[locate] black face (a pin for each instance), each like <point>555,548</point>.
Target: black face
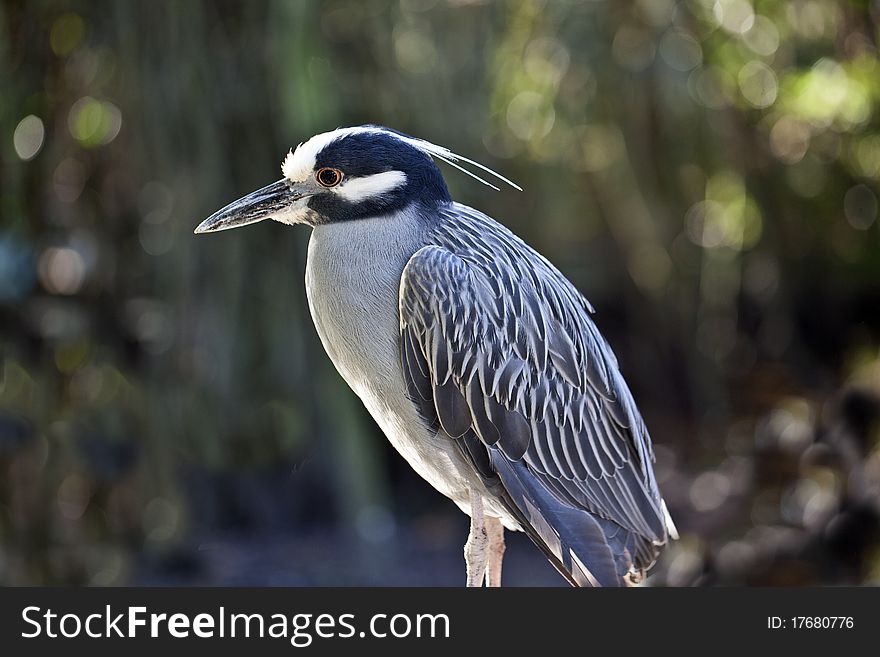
<point>369,153</point>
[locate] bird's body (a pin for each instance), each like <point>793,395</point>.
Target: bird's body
<point>476,356</point>
<point>355,310</point>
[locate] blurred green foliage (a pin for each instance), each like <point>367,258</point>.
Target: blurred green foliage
<point>706,171</point>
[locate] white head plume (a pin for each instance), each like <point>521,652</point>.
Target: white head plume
<point>299,163</point>
<point>444,154</point>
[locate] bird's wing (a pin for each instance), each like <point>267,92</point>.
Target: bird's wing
<point>503,355</point>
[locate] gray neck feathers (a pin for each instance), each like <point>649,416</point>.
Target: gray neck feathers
<point>352,281</point>
<point>366,251</point>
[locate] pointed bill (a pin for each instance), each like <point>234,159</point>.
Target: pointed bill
<point>271,200</point>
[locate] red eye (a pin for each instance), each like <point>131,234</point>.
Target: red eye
<point>328,177</point>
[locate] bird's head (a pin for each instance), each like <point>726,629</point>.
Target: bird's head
<point>347,174</point>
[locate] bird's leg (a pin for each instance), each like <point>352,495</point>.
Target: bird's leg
<point>476,550</point>
<point>495,531</point>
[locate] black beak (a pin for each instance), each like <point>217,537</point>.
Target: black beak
<point>254,207</point>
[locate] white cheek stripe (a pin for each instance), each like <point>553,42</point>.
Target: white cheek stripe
<point>360,189</point>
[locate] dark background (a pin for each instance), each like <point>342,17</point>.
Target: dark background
<point>705,171</point>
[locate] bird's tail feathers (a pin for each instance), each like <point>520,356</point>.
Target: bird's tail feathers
<point>671,530</point>
<point>572,539</point>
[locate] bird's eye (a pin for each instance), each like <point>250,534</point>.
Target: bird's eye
<point>328,177</point>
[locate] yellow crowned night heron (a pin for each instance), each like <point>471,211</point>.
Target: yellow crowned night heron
<point>475,355</point>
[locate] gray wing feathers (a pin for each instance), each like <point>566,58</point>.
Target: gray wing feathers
<point>499,341</point>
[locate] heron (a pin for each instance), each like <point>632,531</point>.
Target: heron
<point>477,357</point>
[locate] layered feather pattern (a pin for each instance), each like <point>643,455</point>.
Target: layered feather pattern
<point>499,351</point>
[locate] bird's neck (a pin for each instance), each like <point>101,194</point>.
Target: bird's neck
<point>369,250</point>
<point>352,284</point>
<point>372,242</point>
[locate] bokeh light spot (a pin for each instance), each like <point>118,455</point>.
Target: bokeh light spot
<point>73,496</point>
<point>728,216</point>
<point>826,94</point>
<point>680,50</point>
<point>414,49</point>
<point>860,207</point>
<point>68,180</point>
<point>791,424</point>
<point>658,13</point>
<point>710,87</point>
<point>735,16</point>
<point>94,122</point>
<point>161,520</point>
<point>28,137</point>
<point>602,145</point>
<point>763,37</point>
<point>67,33</point>
<point>546,61</point>
<point>758,84</point>
<point>530,116</point>
<point>62,270</point>
<point>789,139</point>
<point>866,154</point>
<point>709,491</point>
